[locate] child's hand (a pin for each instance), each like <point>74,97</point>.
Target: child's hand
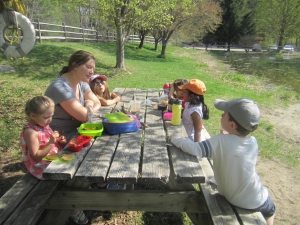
<point>62,140</point>
<point>55,134</point>
<point>52,139</point>
<point>223,131</point>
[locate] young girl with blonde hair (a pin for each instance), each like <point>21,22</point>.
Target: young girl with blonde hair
<point>37,138</point>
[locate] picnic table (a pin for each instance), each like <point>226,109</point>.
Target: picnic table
<point>155,176</point>
<point>145,171</point>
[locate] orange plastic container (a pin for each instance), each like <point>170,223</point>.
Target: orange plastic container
<point>78,142</point>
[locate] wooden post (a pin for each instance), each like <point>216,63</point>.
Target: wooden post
<point>39,30</point>
<point>83,34</point>
<point>64,30</point>
<point>97,36</point>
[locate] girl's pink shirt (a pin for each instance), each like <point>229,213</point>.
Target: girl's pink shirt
<point>33,167</point>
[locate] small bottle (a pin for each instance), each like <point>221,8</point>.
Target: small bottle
<point>170,103</point>
<point>166,88</point>
<point>176,112</point>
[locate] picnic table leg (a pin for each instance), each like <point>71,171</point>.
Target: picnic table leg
<point>57,217</point>
<point>200,219</point>
<point>60,217</point>
<point>196,218</point>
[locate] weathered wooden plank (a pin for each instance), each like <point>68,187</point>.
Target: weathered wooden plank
<point>249,218</point>
<point>154,201</point>
<point>31,208</point>
<point>119,91</point>
<point>16,194</point>
<point>96,163</point>
<point>186,167</point>
<point>125,165</point>
<point>155,165</point>
<point>127,95</point>
<point>58,170</point>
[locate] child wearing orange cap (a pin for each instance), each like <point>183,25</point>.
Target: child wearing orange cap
<point>195,109</point>
<point>99,86</point>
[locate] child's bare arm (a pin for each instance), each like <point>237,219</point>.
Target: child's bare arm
<point>197,122</point>
<point>36,151</point>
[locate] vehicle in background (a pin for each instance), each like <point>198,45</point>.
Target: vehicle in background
<point>288,48</point>
<point>256,48</point>
<point>273,47</point>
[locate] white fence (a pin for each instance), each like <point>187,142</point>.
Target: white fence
<point>48,31</point>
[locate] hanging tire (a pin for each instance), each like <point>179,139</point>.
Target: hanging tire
<point>16,38</point>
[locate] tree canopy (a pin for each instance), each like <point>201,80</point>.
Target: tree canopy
<point>279,20</point>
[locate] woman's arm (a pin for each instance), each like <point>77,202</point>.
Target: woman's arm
<point>74,108</point>
<point>197,122</point>
<point>92,102</point>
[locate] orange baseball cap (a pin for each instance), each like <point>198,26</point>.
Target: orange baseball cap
<point>196,86</point>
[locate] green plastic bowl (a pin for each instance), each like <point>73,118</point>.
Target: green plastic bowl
<point>91,129</point>
<point>118,117</point>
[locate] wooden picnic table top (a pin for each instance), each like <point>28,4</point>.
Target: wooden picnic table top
<point>158,176</point>
<point>142,156</point>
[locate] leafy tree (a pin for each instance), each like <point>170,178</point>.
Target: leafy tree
<point>279,20</point>
<point>237,20</point>
<point>185,12</point>
<point>154,15</point>
<point>123,13</point>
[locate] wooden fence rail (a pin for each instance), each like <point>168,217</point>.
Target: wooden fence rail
<point>48,31</point>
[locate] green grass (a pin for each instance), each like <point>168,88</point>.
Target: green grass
<point>146,70</point>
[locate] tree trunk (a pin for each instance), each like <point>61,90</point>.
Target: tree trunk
<point>280,41</point>
<point>228,46</point>
<point>120,43</point>
<point>163,48</point>
<point>142,38</point>
<point>156,41</point>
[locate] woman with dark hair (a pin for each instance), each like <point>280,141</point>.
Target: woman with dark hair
<point>71,93</point>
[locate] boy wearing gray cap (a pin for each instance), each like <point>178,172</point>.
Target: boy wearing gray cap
<point>234,154</point>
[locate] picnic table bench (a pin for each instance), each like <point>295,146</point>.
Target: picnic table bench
<point>158,176</point>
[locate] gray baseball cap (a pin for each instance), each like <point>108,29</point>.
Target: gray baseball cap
<point>244,111</point>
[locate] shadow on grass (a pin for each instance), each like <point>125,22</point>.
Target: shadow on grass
<point>132,52</point>
<point>279,68</point>
<point>47,59</point>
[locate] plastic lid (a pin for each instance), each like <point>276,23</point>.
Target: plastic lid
<point>166,85</point>
<point>177,101</point>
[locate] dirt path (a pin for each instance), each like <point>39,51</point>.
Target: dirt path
<point>282,181</point>
<point>285,121</point>
<point>283,184</point>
